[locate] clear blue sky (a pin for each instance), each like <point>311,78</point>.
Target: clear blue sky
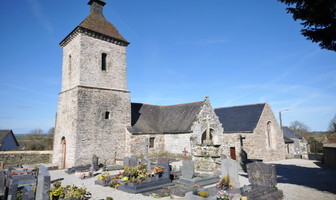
<point>235,52</point>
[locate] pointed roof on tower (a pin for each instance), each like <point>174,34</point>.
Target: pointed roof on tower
<point>97,26</point>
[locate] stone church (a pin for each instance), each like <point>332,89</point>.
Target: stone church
<point>95,114</point>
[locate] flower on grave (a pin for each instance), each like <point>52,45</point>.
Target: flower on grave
<point>224,183</point>
<point>158,169</point>
<point>222,195</point>
<point>103,176</point>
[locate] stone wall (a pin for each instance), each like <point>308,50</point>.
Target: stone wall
<point>25,157</point>
<point>94,105</point>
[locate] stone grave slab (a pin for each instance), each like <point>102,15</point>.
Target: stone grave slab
<point>2,183</point>
<point>43,183</point>
<point>263,181</point>
<point>189,177</point>
<point>151,183</point>
<point>229,167</point>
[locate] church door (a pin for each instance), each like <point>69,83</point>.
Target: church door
<point>63,153</point>
<point>233,153</point>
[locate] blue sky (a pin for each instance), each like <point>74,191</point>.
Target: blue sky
<point>235,52</point>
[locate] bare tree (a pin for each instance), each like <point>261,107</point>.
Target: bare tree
<point>332,125</point>
<point>299,126</point>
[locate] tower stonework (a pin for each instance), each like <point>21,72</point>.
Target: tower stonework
<point>94,103</point>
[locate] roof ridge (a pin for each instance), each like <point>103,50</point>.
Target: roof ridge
<point>241,105</point>
<point>168,105</point>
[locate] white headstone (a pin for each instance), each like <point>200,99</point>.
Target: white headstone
<point>230,168</point>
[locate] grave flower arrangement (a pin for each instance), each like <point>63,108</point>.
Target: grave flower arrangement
<point>58,192</point>
<point>222,195</point>
<point>158,169</point>
<point>136,174</point>
<point>224,183</point>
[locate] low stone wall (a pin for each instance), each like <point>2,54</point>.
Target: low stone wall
<point>14,158</point>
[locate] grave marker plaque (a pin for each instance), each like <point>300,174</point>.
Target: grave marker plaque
<point>230,168</point>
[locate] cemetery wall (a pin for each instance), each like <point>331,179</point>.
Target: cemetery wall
<point>25,157</point>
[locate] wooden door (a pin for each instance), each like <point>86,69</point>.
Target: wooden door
<point>233,153</point>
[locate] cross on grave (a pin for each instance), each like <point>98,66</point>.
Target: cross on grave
<point>184,154</point>
<point>241,138</point>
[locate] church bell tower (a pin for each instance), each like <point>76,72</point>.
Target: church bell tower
<point>94,103</point>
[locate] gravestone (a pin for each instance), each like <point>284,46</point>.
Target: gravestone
<point>133,161</point>
<point>95,162</point>
<point>189,177</point>
<point>2,183</point>
<point>28,193</point>
<point>43,183</point>
<point>263,181</point>
<point>2,165</point>
<point>166,172</point>
<point>145,159</point>
<point>230,168</point>
<point>188,169</point>
<point>126,162</point>
<point>12,192</point>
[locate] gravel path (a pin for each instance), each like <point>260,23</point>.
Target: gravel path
<point>299,180</point>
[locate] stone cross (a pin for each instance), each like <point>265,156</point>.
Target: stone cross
<point>185,154</point>
<point>43,183</point>
<point>241,138</point>
<point>146,159</point>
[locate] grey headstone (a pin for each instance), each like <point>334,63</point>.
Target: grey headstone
<point>28,193</point>
<point>126,162</point>
<point>133,161</point>
<point>188,169</point>
<point>230,168</point>
<point>43,183</point>
<point>12,191</point>
<point>2,182</point>
<point>166,172</point>
<point>95,161</point>
<point>261,174</point>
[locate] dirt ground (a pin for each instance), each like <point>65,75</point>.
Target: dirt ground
<point>299,180</point>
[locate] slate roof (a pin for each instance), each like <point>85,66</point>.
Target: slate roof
<point>289,133</point>
<point>287,140</point>
<point>4,133</point>
<point>164,119</point>
<point>240,118</point>
<point>97,23</point>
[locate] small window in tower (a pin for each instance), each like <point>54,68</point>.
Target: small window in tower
<point>69,64</point>
<point>107,115</point>
<point>151,142</point>
<point>103,64</point>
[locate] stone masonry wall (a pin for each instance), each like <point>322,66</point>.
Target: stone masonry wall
<point>257,146</point>
<point>25,157</point>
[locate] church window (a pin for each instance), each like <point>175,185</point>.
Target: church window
<point>107,115</point>
<point>269,134</point>
<point>103,63</point>
<point>151,142</point>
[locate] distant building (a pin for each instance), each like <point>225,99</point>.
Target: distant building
<point>296,145</point>
<point>329,151</point>
<point>8,140</point>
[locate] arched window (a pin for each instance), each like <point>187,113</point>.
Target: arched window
<point>269,130</point>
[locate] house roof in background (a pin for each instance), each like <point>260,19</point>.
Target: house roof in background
<point>164,119</point>
<point>242,118</point>
<point>4,133</point>
<point>289,133</point>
